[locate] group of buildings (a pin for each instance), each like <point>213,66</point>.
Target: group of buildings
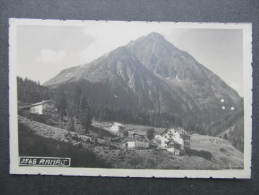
<point>174,140</point>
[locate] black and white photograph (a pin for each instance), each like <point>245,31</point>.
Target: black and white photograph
<point>130,98</point>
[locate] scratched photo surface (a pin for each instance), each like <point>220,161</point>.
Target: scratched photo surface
<point>142,99</point>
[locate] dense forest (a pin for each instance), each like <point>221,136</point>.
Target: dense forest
<point>30,91</point>
<point>233,128</point>
<point>98,99</point>
<point>71,106</point>
<point>82,101</point>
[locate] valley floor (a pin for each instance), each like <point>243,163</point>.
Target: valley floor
<point>97,153</point>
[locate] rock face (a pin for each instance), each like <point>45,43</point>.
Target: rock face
<point>150,75</point>
<point>199,87</point>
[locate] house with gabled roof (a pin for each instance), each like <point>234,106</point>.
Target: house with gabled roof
<point>136,140</point>
<point>39,108</point>
<point>173,140</point>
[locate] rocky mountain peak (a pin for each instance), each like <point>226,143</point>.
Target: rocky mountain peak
<point>154,40</point>
<point>155,37</point>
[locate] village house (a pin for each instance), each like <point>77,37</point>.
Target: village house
<point>187,140</point>
<point>85,138</point>
<point>137,134</point>
<point>173,148</point>
<point>136,140</point>
<point>40,108</point>
<point>135,144</point>
<point>173,140</point>
<point>114,128</point>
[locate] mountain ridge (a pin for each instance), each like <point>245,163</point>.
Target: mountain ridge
<point>159,78</point>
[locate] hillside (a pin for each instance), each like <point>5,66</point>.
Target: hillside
<point>224,154</point>
<point>86,153</point>
<point>235,134</point>
<point>29,146</point>
<point>233,128</point>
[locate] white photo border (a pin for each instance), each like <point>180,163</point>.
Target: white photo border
<point>113,172</point>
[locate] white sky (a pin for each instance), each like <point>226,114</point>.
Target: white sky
<point>44,50</point>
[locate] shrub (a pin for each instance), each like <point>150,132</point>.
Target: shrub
<point>201,153</point>
<point>39,118</point>
<point>150,133</point>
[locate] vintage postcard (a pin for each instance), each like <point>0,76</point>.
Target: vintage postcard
<point>137,99</point>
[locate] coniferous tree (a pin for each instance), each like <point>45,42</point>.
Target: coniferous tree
<point>30,91</point>
<point>150,134</point>
<point>71,124</point>
<point>61,103</point>
<point>85,115</point>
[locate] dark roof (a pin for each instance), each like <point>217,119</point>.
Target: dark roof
<point>137,132</point>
